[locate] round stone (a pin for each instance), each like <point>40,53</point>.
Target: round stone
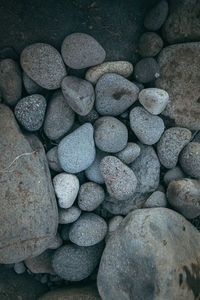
<point>93,173</point>
<point>31,86</point>
<point>147,70</point>
<point>154,100</point>
<point>91,195</point>
<point>30,112</point>
<point>156,17</point>
<point>114,94</point>
<point>173,174</point>
<point>147,127</point>
<point>44,65</point>
<point>157,199</point>
<point>79,94</point>
<point>190,160</point>
<point>129,153</point>
<point>110,134</point>
<point>76,151</point>
<point>66,188</point>
<point>88,230</point>
<point>80,50</point>
<point>70,215</point>
<point>52,157</point>
<point>56,242</point>
<point>150,44</point>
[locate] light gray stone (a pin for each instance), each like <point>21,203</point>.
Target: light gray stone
<point>173,174</point>
<point>190,160</point>
<point>52,157</point>
<point>154,100</point>
<point>129,153</point>
<point>90,196</point>
<point>93,173</point>
<point>69,215</point>
<point>157,199</point>
<point>156,16</point>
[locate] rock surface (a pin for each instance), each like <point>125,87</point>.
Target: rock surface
<point>91,195</point>
<point>129,153</point>
<point>29,225</point>
<point>93,173</point>
<point>52,157</point>
<point>173,174</point>
<point>157,199</point>
<point>150,44</point>
<point>154,100</point>
<point>146,70</point>
<point>41,263</point>
<point>190,160</point>
<point>69,215</point>
<point>155,18</point>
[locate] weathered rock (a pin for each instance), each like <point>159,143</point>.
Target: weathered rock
<point>91,195</point>
<point>129,153</point>
<point>41,263</point>
<point>157,199</point>
<point>173,174</point>
<point>180,67</point>
<point>150,44</point>
<point>155,18</point>
<point>190,159</point>
<point>154,254</point>
<point>154,100</point>
<point>27,226</point>
<point>52,157</point>
<point>93,173</point>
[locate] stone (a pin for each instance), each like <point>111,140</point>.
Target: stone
<point>80,50</point>
<point>114,94</point>
<point>90,196</point>
<point>19,268</point>
<point>184,196</point>
<point>44,65</point>
<point>114,223</point>
<point>156,16</point>
<point>28,226</point>
<point>154,254</point>
<point>76,151</point>
<point>170,145</point>
<point>93,173</point>
<point>56,242</point>
<point>154,100</point>
<point>88,230</point>
<point>31,86</point>
<point>73,293</point>
<point>30,112</point>
<point>182,85</point>
<point>146,70</point>
<point>182,24</point>
<point>8,52</point>
<point>147,127</point>
<point>75,263</point>
<point>150,44</point>
<point>157,199</point>
<point>10,81</point>
<point>173,174</point>
<point>66,188</point>
<point>41,263</point>
<point>120,180</point>
<point>69,215</point>
<point>123,68</point>
<point>91,117</point>
<point>129,153</point>
<point>52,157</point>
<point>110,134</point>
<point>190,160</point>
<point>65,232</point>
<point>59,117</point>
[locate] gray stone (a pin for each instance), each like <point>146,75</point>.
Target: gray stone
<point>56,242</point>
<point>79,94</point>
<point>31,86</point>
<point>120,180</point>
<point>59,117</point>
<point>114,94</point>
<point>88,230</point>
<point>147,127</point>
<point>52,157</point>
<point>93,173</point>
<point>80,50</point>
<point>76,151</point>
<point>10,81</point>
<point>44,65</point>
<point>173,174</point>
<point>184,196</point>
<point>41,263</point>
<point>129,153</point>
<point>146,70</point>
<point>123,68</point>
<point>30,112</point>
<point>157,199</point>
<point>28,226</point>
<point>170,145</point>
<point>150,44</point>
<point>190,160</point>
<point>154,100</point>
<point>110,134</point>
<point>69,215</point>
<point>156,17</point>
<point>150,256</point>
<point>182,84</point>
<point>75,263</point>
<point>114,223</point>
<point>91,195</point>
<point>19,268</point>
<point>91,117</point>
<point>65,232</point>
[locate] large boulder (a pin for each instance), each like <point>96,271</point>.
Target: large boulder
<point>153,255</point>
<point>28,214</point>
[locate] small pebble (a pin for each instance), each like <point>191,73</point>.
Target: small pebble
<point>129,153</point>
<point>69,215</point>
<point>80,50</point>
<point>154,100</point>
<point>30,112</point>
<point>93,173</point>
<point>190,160</point>
<point>147,70</point>
<point>66,188</point>
<point>90,196</point>
<point>56,242</point>
<point>41,263</point>
<point>155,17</point>
<point>123,68</point>
<point>114,223</point>
<point>88,230</point>
<point>173,174</point>
<point>147,127</point>
<point>52,157</point>
<point>91,117</point>
<point>150,44</point>
<point>19,268</point>
<point>31,86</point>
<point>110,134</point>
<point>64,233</point>
<point>157,199</point>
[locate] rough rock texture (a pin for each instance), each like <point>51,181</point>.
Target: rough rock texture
<point>129,153</point>
<point>190,160</point>
<point>27,226</point>
<point>41,263</point>
<point>180,67</point>
<point>154,254</point>
<point>69,215</point>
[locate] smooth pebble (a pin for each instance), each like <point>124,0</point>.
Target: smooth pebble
<point>173,174</point>
<point>190,160</point>
<point>150,44</point>
<point>154,100</point>
<point>90,196</point>
<point>156,16</point>
<point>129,153</point>
<point>147,70</point>
<point>157,199</point>
<point>93,173</point>
<point>70,215</point>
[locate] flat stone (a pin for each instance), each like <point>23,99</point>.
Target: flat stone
<point>28,226</point>
<point>150,44</point>
<point>190,160</point>
<point>173,174</point>
<point>31,86</point>
<point>156,16</point>
<point>93,173</point>
<point>76,151</point>
<point>157,199</point>
<point>69,215</point>
<point>41,263</point>
<point>90,196</point>
<point>150,256</point>
<point>180,67</point>
<point>154,100</point>
<point>114,94</point>
<point>129,153</point>
<point>44,65</point>
<point>80,50</point>
<point>52,157</point>
<point>146,70</point>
